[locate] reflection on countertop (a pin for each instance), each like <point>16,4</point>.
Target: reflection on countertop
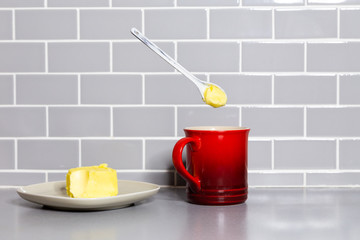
<point>269,213</point>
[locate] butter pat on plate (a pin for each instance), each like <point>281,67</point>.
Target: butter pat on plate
<point>91,182</point>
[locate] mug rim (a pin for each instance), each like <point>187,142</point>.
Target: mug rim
<point>216,128</point>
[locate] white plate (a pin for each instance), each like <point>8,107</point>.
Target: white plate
<point>53,194</point>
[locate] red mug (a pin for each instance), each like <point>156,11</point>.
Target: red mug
<point>216,164</point>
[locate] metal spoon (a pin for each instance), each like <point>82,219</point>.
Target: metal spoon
<point>202,85</point>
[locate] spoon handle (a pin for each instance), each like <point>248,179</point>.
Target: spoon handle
<point>201,85</point>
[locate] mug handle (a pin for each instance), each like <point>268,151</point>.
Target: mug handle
<point>194,182</point>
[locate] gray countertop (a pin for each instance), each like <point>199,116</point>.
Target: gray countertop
<point>269,213</point>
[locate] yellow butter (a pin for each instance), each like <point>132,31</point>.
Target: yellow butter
<point>91,182</point>
<point>214,96</point>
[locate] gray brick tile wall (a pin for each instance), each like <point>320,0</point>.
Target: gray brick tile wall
<point>272,3</point>
<point>7,153</point>
<point>46,89</point>
<point>22,57</point>
<point>144,121</point>
<point>108,24</point>
<point>171,24</point>
<point>266,122</point>
<point>245,23</point>
<point>79,121</point>
<point>105,89</point>
<point>77,89</point>
<point>305,154</point>
<point>305,89</point>
<point>5,25</point>
<point>45,24</point>
<point>47,154</point>
<point>272,57</point>
<point>306,23</point>
<point>119,154</point>
<point>79,57</point>
<point>22,122</point>
<point>6,89</point>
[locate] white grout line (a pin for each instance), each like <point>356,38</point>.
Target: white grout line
<point>13,24</point>
<point>14,89</point>
<point>338,22</point>
<point>16,154</point>
<point>47,121</point>
<point>80,153</point>
<point>79,89</point>
<point>77,24</point>
<point>337,154</point>
<point>143,155</point>
<point>272,154</point>
<point>273,89</point>
<point>338,89</point>
<point>305,122</point>
<point>207,23</point>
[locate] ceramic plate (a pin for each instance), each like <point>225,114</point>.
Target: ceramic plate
<point>53,194</point>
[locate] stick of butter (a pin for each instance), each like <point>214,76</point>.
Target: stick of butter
<point>91,182</point>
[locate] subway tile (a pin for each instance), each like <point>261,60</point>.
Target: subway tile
<point>22,122</point>
<point>111,89</point>
<point>78,3</point>
<point>46,89</point>
<point>171,89</point>
<point>272,3</point>
<point>209,56</point>
<point>171,23</point>
<point>206,116</point>
<point>158,154</point>
<point>259,155</point>
<point>245,89</point>
<point>22,57</point>
<point>136,57</point>
<point>79,57</point>
<point>6,25</point>
<point>7,154</point>
<point>334,122</point>
<point>160,178</point>
<point>45,24</point>
<point>21,178</point>
<point>245,23</point>
<point>118,154</point>
<point>79,121</point>
<point>275,179</point>
<point>219,3</point>
<point>333,57</point>
<point>6,89</point>
<point>350,23</point>
<point>108,24</point>
<point>143,121</point>
<point>329,179</point>
<point>21,3</point>
<point>333,2</point>
<point>54,176</point>
<point>272,57</point>
<point>47,154</point>
<point>349,154</point>
<point>349,89</point>
<point>305,89</point>
<point>142,3</point>
<point>305,154</point>
<point>273,121</point>
<point>303,23</point>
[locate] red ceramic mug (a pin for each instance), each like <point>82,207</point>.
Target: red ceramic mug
<point>216,164</point>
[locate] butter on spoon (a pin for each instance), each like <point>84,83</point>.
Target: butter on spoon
<point>211,93</point>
